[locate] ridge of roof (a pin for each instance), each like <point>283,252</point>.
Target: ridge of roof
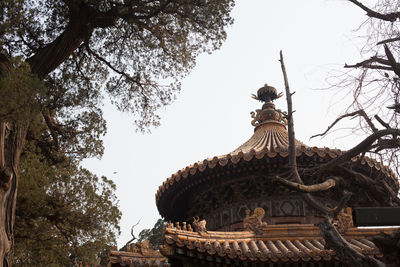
<point>236,157</point>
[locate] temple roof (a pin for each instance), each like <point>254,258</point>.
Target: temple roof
<point>139,254</point>
<point>270,125</point>
<point>270,135</point>
<point>267,148</point>
<point>246,156</point>
<point>277,243</point>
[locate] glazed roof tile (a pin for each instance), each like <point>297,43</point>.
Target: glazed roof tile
<point>139,254</point>
<point>236,156</point>
<point>267,135</point>
<point>278,243</point>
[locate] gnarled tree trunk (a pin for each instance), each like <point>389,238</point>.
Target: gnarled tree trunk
<point>12,137</point>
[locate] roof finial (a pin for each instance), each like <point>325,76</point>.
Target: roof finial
<point>268,112</point>
<point>267,94</point>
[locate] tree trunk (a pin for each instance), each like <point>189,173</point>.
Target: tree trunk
<point>12,137</point>
<point>79,29</point>
<point>343,250</point>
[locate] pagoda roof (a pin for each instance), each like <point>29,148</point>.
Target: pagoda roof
<point>277,243</point>
<point>267,149</point>
<point>238,156</point>
<point>139,254</point>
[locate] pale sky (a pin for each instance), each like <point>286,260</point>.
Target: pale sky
<point>211,116</point>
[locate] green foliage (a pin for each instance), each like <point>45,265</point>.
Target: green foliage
<point>134,52</point>
<point>155,234</point>
<point>64,213</point>
<point>18,87</point>
<point>138,49</point>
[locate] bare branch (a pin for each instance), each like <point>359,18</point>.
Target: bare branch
<point>362,63</point>
<point>133,236</point>
<point>390,40</point>
<point>346,197</point>
<point>360,112</point>
<point>378,189</point>
<point>384,124</point>
<point>364,145</point>
<point>368,64</point>
<point>328,184</point>
<point>372,67</point>
<point>392,60</point>
<point>292,146</point>
<point>385,144</point>
<point>343,249</point>
<point>374,14</point>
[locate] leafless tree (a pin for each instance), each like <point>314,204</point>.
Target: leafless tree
<point>293,180</point>
<point>374,85</point>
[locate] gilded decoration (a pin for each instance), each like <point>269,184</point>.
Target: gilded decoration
<point>254,222</point>
<point>137,254</point>
<point>269,113</point>
<point>144,248</point>
<point>344,220</point>
<point>199,226</point>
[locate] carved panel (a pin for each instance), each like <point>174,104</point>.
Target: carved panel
<point>274,206</point>
<point>288,207</point>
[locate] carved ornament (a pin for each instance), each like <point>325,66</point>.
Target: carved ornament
<point>344,220</point>
<point>254,222</point>
<point>199,226</point>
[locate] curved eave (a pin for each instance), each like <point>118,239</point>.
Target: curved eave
<point>280,243</point>
<point>234,158</point>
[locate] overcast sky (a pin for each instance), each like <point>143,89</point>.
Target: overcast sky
<point>212,113</point>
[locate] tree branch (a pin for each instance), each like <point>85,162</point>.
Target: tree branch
<point>360,112</point>
<point>364,145</point>
<point>392,60</point>
<point>292,145</point>
<point>342,248</point>
<point>346,197</point>
<point>390,40</point>
<point>133,236</point>
<point>383,123</point>
<point>368,64</point>
<point>374,14</point>
<point>328,184</point>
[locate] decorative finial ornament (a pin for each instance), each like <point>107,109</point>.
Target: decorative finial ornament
<point>268,112</point>
<point>267,94</point>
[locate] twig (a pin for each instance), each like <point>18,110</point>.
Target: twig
<point>133,236</point>
<point>360,112</point>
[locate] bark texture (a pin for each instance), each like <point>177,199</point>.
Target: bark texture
<point>12,137</point>
<point>344,251</point>
<point>389,245</point>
